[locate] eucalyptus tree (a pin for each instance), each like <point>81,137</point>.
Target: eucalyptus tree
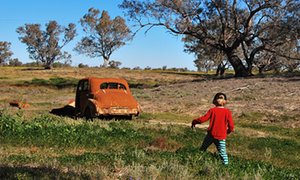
<point>5,52</point>
<point>103,35</point>
<point>45,46</point>
<point>240,29</point>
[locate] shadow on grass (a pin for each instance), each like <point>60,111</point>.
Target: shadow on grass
<point>66,111</point>
<point>69,111</point>
<point>34,69</point>
<point>289,76</point>
<point>26,172</point>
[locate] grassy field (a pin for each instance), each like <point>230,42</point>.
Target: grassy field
<point>159,144</point>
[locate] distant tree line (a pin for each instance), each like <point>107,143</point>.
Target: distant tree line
<point>239,34</point>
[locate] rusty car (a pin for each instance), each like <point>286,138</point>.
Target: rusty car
<point>103,97</point>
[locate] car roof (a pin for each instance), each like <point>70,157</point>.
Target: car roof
<point>97,81</point>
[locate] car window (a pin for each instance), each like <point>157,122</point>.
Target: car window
<point>103,86</point>
<point>121,86</point>
<point>85,86</point>
<point>80,86</point>
<point>112,86</point>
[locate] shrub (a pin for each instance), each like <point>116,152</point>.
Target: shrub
<point>80,65</point>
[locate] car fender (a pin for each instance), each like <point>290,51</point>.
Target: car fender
<point>92,104</point>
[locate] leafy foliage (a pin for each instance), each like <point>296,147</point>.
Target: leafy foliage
<point>45,46</point>
<point>104,35</point>
<point>15,62</point>
<point>235,30</point>
<point>5,53</point>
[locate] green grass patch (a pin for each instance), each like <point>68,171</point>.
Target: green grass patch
<point>143,84</point>
<point>251,116</point>
<point>277,149</point>
<point>48,130</point>
<point>278,130</point>
<point>26,172</point>
<point>166,116</point>
<point>134,149</point>
<point>57,82</point>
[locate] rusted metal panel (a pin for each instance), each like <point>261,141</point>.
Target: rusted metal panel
<point>106,96</point>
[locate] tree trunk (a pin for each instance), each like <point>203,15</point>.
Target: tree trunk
<point>105,62</point>
<point>221,69</point>
<point>47,63</point>
<point>48,66</point>
<point>261,69</point>
<point>239,68</point>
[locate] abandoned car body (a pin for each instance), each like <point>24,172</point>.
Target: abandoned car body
<point>105,97</point>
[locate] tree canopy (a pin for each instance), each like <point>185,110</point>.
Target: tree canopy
<point>103,35</point>
<point>240,30</point>
<point>5,52</point>
<point>45,46</point>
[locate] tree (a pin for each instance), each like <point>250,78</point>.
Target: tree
<point>104,35</point>
<point>114,64</point>
<point>289,48</point>
<point>228,26</point>
<point>5,53</point>
<point>209,58</point>
<point>46,46</point>
<point>15,62</point>
<point>285,58</point>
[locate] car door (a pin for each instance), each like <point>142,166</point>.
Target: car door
<point>82,95</point>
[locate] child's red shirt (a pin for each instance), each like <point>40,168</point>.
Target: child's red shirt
<point>220,123</point>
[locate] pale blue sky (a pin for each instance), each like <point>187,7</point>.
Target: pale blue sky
<point>155,49</point>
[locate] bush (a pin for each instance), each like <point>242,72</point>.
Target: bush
<point>80,65</point>
<point>60,65</point>
<point>15,62</point>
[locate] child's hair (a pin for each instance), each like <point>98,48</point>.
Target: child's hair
<point>217,102</point>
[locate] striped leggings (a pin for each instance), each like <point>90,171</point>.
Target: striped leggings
<point>220,144</point>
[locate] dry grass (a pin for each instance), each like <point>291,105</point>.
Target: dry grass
<point>266,113</point>
<point>12,74</point>
<point>185,94</point>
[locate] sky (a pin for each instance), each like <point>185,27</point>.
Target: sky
<point>155,49</point>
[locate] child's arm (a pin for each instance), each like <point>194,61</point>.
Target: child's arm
<point>201,119</point>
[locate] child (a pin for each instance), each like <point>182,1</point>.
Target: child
<point>220,125</point>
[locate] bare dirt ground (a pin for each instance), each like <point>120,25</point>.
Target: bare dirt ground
<point>275,96</point>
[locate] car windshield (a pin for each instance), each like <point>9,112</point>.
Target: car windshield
<point>112,85</point>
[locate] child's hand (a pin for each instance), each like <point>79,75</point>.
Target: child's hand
<point>193,125</point>
<point>194,122</point>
